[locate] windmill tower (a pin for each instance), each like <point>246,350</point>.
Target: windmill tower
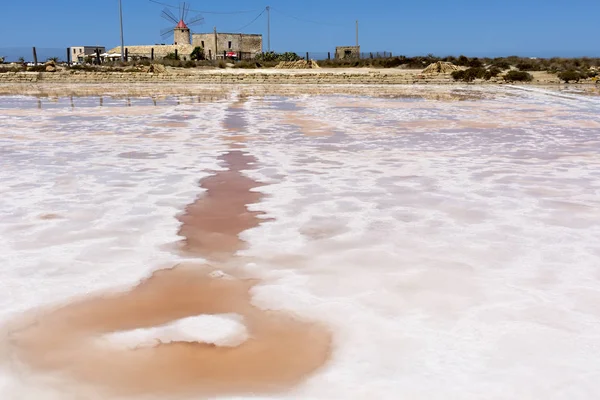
<point>180,30</point>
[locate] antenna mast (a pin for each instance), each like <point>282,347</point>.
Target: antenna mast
<point>268,28</point>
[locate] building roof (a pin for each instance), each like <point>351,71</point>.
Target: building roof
<point>181,25</point>
<point>160,50</point>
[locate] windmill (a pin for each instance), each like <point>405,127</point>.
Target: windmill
<point>181,23</point>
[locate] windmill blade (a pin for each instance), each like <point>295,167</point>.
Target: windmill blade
<point>169,16</point>
<point>184,11</point>
<point>195,20</point>
<point>166,32</point>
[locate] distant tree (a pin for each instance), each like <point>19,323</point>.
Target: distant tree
<point>469,75</point>
<point>501,63</point>
<point>463,61</point>
<point>475,63</point>
<point>1,60</point>
<point>197,54</point>
<point>528,66</point>
<point>570,75</point>
<point>460,76</point>
<point>21,60</point>
<point>518,76</point>
<point>493,72</point>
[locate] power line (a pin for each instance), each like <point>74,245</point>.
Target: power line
<point>205,12</point>
<point>303,19</point>
<point>251,22</point>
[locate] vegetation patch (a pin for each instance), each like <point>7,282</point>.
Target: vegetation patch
<point>277,57</point>
<point>571,75</point>
<point>470,74</point>
<point>518,76</point>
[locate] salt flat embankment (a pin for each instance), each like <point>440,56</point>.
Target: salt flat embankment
<point>332,76</point>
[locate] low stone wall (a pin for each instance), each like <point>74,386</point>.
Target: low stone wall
<point>221,78</point>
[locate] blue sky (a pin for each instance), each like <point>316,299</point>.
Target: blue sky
<point>474,28</point>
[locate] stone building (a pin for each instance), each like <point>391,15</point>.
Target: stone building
<point>181,45</point>
<point>78,54</point>
<point>181,34</point>
<point>218,45</point>
<point>347,52</point>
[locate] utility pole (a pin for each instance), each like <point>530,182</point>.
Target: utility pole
<point>216,45</point>
<point>121,22</point>
<point>268,28</point>
<point>356,33</point>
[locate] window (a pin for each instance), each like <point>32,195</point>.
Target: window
<point>230,45</point>
<point>74,51</point>
<point>209,54</point>
<point>80,51</point>
<point>202,43</point>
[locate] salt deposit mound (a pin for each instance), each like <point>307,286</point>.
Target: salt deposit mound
<point>440,67</point>
<point>156,69</point>
<point>300,64</point>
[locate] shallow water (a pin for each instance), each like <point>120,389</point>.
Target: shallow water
<point>451,247</point>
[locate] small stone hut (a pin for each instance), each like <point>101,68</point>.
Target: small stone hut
<point>342,52</point>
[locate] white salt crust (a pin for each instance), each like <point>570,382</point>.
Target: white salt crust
<point>451,259</point>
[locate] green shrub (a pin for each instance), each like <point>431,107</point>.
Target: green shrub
<point>494,71</point>
<point>172,56</point>
<point>289,56</point>
<point>501,63</point>
<point>475,63</point>
<point>518,76</point>
<point>268,56</point>
<point>469,75</point>
<point>528,66</point>
<point>272,56</point>
<point>462,61</point>
<point>458,75</point>
<point>570,75</point>
<point>197,54</point>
